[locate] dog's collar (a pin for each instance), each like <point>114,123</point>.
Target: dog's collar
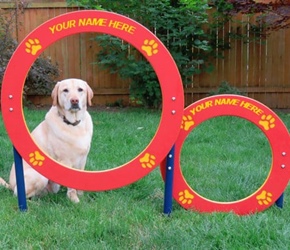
<point>66,121</point>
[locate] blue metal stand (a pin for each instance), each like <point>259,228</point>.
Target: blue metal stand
<point>280,201</point>
<point>21,194</point>
<point>169,182</point>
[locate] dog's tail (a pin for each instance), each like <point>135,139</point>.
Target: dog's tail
<point>4,183</point>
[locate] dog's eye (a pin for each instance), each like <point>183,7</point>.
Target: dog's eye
<point>80,90</point>
<point>65,90</point>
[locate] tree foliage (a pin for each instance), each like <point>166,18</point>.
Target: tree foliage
<point>273,15</point>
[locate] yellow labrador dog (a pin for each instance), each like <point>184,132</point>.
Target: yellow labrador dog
<point>65,135</point>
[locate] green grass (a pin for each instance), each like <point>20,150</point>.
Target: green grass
<point>229,153</point>
<point>223,159</point>
<point>120,136</point>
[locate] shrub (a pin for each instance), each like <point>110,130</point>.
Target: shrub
<point>41,77</point>
<point>226,88</point>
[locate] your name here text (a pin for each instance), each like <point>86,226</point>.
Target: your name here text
<point>226,101</point>
<point>102,22</point>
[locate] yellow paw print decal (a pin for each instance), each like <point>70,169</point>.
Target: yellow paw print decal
<point>185,197</point>
<point>264,198</point>
<point>150,47</point>
<point>147,161</point>
<point>267,122</point>
<point>32,46</point>
<point>187,122</point>
<point>36,159</point>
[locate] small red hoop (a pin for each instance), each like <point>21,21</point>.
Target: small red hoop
<point>265,119</point>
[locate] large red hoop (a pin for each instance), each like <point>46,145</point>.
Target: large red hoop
<point>138,36</point>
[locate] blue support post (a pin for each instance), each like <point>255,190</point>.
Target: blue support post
<point>169,182</point>
<point>280,201</point>
<point>21,194</point>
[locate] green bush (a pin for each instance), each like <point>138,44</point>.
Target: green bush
<point>178,24</point>
<point>114,56</point>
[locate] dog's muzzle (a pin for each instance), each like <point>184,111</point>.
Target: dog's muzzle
<point>74,104</point>
<point>75,107</point>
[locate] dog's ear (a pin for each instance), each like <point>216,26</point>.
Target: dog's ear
<point>54,94</point>
<point>90,95</point>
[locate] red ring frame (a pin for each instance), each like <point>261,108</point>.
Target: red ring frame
<point>128,30</point>
<point>278,137</point>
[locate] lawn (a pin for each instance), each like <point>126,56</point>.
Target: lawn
<point>223,159</point>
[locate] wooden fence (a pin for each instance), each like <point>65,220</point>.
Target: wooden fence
<point>258,69</point>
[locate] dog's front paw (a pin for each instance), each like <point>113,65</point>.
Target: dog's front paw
<point>72,195</point>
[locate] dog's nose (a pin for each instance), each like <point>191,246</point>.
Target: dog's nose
<point>74,101</point>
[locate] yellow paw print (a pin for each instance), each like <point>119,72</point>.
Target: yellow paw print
<point>33,46</point>
<point>36,159</point>
<point>264,198</point>
<point>267,122</point>
<point>148,161</point>
<point>150,47</point>
<point>185,197</point>
<point>187,122</point>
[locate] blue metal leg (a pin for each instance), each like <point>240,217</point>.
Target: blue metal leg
<point>169,182</point>
<point>21,194</point>
<point>280,201</point>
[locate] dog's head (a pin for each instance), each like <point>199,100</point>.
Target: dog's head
<point>72,95</point>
